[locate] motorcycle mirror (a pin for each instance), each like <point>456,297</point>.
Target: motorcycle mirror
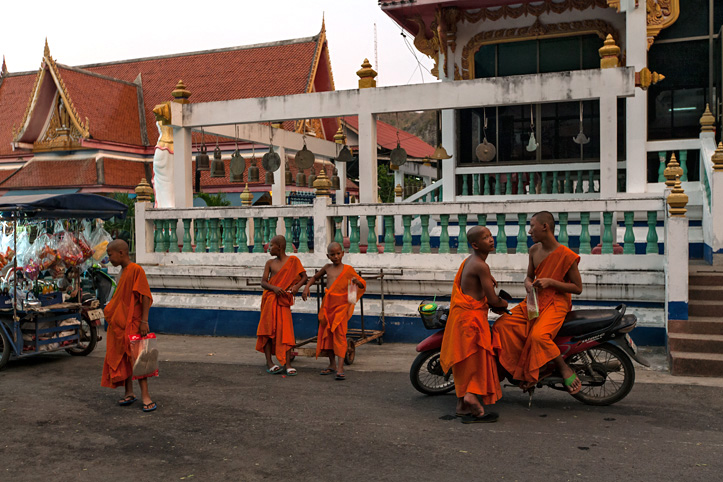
<point>505,295</point>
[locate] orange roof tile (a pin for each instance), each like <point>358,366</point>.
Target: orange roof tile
<point>15,90</point>
<point>44,174</point>
<point>123,173</point>
<point>387,138</point>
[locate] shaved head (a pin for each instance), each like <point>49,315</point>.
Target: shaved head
<point>545,217</point>
<point>474,235</point>
<point>117,245</point>
<point>279,240</point>
<point>333,245</point>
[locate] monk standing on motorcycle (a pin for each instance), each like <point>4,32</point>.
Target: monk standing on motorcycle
<point>467,344</point>
<point>527,344</point>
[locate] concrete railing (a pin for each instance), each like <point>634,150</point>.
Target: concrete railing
<point>712,184</point>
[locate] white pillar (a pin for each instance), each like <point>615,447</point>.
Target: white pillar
<point>341,192</point>
<point>278,190</point>
<point>449,132</point>
<point>182,172</point>
<point>144,242</point>
<point>676,268</point>
<point>368,187</point>
<point>608,145</point>
<point>716,210</point>
<point>322,224</point>
<point>636,108</point>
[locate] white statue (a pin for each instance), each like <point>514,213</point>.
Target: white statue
<point>163,159</point>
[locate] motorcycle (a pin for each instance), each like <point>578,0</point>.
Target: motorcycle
<point>96,291</point>
<point>595,343</point>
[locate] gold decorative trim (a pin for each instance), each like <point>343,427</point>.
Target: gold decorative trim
<point>162,113</point>
<point>17,131</point>
<point>429,46</point>
<point>661,14</point>
<point>614,4</point>
<point>535,10</point>
<point>60,133</point>
<point>537,30</point>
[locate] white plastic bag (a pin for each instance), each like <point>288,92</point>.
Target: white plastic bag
<point>533,309</point>
<point>351,293</point>
<point>145,356</point>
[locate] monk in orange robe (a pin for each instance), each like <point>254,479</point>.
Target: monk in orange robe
<point>282,278</point>
<point>527,345</point>
<point>336,308</point>
<point>467,347</point>
<point>127,314</point>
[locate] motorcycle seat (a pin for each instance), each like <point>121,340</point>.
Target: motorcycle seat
<point>580,322</point>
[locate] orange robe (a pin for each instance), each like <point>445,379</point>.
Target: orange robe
<point>123,314</point>
<point>335,312</point>
<point>527,345</point>
<point>467,346</point>
<point>275,323</point>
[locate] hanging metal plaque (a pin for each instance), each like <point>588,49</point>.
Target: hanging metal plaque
<point>486,151</point>
<point>271,160</point>
<point>237,166</point>
<point>398,155</point>
<point>344,155</point>
<point>304,158</point>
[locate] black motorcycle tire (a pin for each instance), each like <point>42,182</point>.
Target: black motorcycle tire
<point>422,369</point>
<point>6,349</point>
<point>585,394</point>
<point>92,332</point>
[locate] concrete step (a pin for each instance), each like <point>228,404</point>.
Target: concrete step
<point>706,308</point>
<point>705,278</point>
<point>696,325</point>
<point>705,293</point>
<point>696,364</point>
<point>685,342</point>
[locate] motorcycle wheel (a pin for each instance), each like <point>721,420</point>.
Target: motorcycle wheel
<point>88,340</point>
<point>5,349</point>
<point>614,365</point>
<point>427,376</point>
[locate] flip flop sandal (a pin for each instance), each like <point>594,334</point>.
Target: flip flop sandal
<point>149,407</point>
<point>462,414</point>
<point>326,371</point>
<point>127,401</point>
<point>291,372</point>
<point>274,370</point>
<point>340,376</point>
<point>569,381</point>
<point>490,417</point>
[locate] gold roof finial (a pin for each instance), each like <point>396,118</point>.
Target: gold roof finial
<point>144,191</point>
<point>367,75</point>
<point>339,137</point>
<point>398,190</point>
<point>246,196</point>
<point>717,158</point>
<point>46,51</point>
<point>707,121</point>
<point>322,184</point>
<point>180,93</point>
<point>672,172</point>
<point>677,200</point>
<point>609,53</point>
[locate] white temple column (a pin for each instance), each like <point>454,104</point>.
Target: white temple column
<point>636,108</point>
<point>182,169</point>
<point>278,190</point>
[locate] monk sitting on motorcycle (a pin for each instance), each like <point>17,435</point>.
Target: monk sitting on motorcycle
<point>525,337</point>
<point>467,344</point>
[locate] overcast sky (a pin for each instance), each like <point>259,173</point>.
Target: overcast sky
<point>84,32</point>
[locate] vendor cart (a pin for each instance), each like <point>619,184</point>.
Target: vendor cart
<point>31,327</point>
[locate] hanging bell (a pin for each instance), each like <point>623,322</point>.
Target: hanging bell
<point>300,178</point>
<point>236,167</point>
<point>344,155</point>
<point>253,174</point>
<point>289,176</point>
<point>217,167</point>
<point>269,178</point>
<point>311,178</point>
<point>202,159</point>
<point>335,181</point>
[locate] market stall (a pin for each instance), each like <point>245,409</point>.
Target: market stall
<point>46,243</point>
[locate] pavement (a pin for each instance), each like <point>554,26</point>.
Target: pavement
<point>221,417</point>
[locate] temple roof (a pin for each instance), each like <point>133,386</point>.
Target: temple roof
<point>387,138</point>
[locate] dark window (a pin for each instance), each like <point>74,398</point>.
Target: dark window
<point>692,21</point>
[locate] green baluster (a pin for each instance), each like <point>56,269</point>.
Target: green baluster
<point>440,194</point>
<point>533,187</point>
<point>272,222</point>
<point>465,187</point>
<point>303,235</point>
<point>543,183</point>
<point>629,238</point>
<point>266,230</point>
<point>607,237</point>
<point>501,235</point>
<point>661,167</point>
<point>563,238</point>
<point>187,236</point>
<point>498,186</point>
<point>508,185</point>
<point>462,245</point>
<point>200,235</point>
<point>407,237</point>
<point>520,184</point>
<point>157,236</point>
<point>258,235</point>
<point>683,157</point>
<point>213,231</point>
<point>424,198</point>
<point>578,188</point>
<point>389,234</point>
<point>555,183</point>
<point>522,233</point>
<point>227,235</point>
<point>288,235</point>
<point>652,246</point>
<point>166,235</point>
<point>172,228</point>
<point>482,219</point>
<point>424,241</point>
<point>241,239</point>
<point>487,185</point>
<point>444,235</point>
<point>568,183</point>
<point>585,233</point>
<point>590,181</point>
<point>475,185</point>
<point>371,235</point>
<point>338,235</point>
<point>354,234</point>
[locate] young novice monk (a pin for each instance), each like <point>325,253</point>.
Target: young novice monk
<point>526,345</point>
<point>127,314</point>
<point>336,308</point>
<point>282,278</point>
<point>467,344</point>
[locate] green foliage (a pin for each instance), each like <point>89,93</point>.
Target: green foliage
<point>119,225</point>
<point>385,180</point>
<point>213,199</point>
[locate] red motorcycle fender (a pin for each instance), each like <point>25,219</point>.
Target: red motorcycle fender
<point>431,342</point>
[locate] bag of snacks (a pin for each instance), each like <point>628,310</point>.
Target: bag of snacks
<point>99,242</point>
<point>69,252</point>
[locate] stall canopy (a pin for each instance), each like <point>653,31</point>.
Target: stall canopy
<point>54,206</point>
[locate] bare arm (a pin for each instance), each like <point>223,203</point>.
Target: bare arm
<point>573,283</point>
<point>145,308</point>
<point>530,278</point>
<point>317,276</point>
<point>488,287</point>
<point>265,279</point>
<point>301,283</point>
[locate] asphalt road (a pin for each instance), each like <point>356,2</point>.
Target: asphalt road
<point>223,421</point>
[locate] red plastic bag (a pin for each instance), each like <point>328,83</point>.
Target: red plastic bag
<point>69,252</point>
<point>144,355</point>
